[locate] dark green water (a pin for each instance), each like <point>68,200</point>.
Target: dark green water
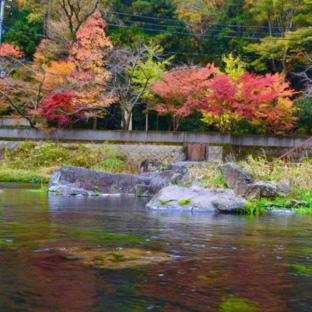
<point>263,261</point>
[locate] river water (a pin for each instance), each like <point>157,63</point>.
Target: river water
<point>261,263</point>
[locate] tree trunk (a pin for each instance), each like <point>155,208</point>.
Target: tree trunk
<point>94,125</point>
<point>127,123</point>
<point>175,123</point>
<point>146,121</point>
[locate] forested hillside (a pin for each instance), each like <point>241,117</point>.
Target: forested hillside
<point>237,66</point>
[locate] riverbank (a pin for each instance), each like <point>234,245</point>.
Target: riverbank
<point>35,163</point>
<point>299,199</point>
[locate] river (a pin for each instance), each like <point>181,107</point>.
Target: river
<point>218,262</point>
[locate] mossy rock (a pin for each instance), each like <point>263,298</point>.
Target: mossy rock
<point>185,201</point>
<point>301,269</point>
<point>116,259</point>
<point>234,304</point>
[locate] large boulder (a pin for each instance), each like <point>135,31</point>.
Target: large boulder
<point>82,181</point>
<point>196,199</point>
<point>237,178</point>
<point>244,184</point>
<point>267,189</point>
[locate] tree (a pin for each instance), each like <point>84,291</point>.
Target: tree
<point>87,53</point>
<point>265,101</point>
<point>286,52</point>
<point>74,87</point>
<point>199,13</point>
<point>176,89</point>
<point>61,18</point>
<point>287,35</point>
<point>15,93</point>
<point>234,66</point>
<point>133,72</point>
<point>150,69</point>
<point>8,51</point>
<point>60,108</point>
<point>304,103</point>
<point>67,16</point>
<point>219,106</point>
<point>22,32</point>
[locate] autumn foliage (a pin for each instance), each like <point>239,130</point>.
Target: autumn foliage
<point>264,101</point>
<point>177,88</point>
<point>56,89</point>
<point>59,87</point>
<point>91,40</point>
<point>61,108</point>
<point>9,50</point>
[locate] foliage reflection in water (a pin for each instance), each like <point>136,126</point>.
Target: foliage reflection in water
<point>189,262</point>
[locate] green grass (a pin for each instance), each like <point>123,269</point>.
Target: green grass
<point>32,175</point>
<point>287,203</point>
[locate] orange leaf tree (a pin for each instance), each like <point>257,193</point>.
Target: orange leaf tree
<point>176,90</point>
<point>78,80</point>
<point>265,101</point>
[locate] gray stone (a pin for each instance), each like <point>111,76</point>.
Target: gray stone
<point>283,187</point>
<point>237,178</point>
<point>68,190</point>
<point>244,184</point>
<point>214,153</point>
<point>299,203</point>
<point>261,189</point>
<point>196,199</point>
<point>267,189</point>
<point>228,204</point>
<point>76,180</point>
<point>184,165</point>
<point>150,165</point>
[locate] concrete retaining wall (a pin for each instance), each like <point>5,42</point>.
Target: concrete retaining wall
<point>151,137</point>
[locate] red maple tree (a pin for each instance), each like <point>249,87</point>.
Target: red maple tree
<point>265,101</point>
<point>60,109</point>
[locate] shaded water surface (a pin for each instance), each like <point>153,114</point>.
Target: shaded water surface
<point>263,263</point>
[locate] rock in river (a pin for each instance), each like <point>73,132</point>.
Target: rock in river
<point>116,259</point>
<point>86,182</point>
<point>197,199</point>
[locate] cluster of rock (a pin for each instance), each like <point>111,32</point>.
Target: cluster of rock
<point>162,187</point>
<point>244,184</point>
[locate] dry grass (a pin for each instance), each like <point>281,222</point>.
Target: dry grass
<point>299,174</point>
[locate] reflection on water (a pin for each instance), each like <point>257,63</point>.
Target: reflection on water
<point>262,263</point>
